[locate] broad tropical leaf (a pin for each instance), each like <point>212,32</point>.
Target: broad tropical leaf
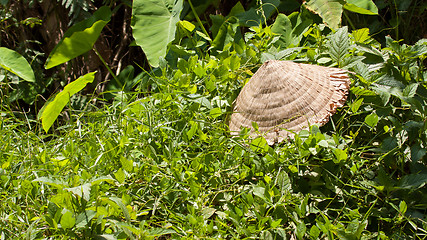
<point>52,109</point>
<point>154,25</point>
<point>17,64</point>
<point>329,10</point>
<point>80,38</point>
<point>283,27</point>
<point>361,6</point>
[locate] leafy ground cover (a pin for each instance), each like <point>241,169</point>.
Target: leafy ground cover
<point>158,162</point>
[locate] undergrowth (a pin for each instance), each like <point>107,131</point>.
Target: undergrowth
<point>159,163</point>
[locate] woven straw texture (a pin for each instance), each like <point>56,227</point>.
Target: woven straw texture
<point>283,97</point>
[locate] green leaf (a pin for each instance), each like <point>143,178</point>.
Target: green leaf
<point>16,64</point>
<point>356,105</point>
<point>417,152</point>
<point>82,191</point>
<point>283,27</point>
<point>186,25</point>
<point>67,220</point>
<point>339,45</point>
<point>367,7</point>
<point>361,35</point>
<point>122,206</point>
<point>80,38</point>
<point>301,229</point>
<point>215,112</point>
<point>259,144</point>
<point>341,155</point>
<point>314,232</point>
<point>371,119</point>
<point>410,90</point>
<point>193,129</point>
<point>329,10</point>
<point>403,207</point>
<point>83,219</point>
<point>120,175</point>
<point>156,232</point>
<point>154,25</point>
<point>207,212</point>
<point>52,109</point>
<point>413,181</point>
<point>55,183</point>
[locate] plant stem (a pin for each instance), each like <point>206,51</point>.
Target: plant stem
<point>108,68</point>
<point>349,20</point>
<point>198,19</point>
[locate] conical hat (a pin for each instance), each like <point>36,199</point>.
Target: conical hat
<point>283,97</point>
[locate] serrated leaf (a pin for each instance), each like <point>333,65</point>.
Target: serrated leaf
<point>361,35</point>
<point>15,63</point>
<point>80,38</point>
<point>154,25</point>
<point>193,129</point>
<point>410,90</point>
<point>329,10</point>
<point>120,175</point>
<point>51,110</point>
<point>339,45</point>
<point>314,232</point>
<point>362,91</point>
<point>284,182</point>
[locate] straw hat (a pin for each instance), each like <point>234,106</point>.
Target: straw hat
<point>283,97</point>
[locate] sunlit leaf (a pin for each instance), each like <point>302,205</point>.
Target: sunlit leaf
<point>367,7</point>
<point>361,35</point>
<point>51,110</point>
<point>341,155</point>
<point>329,10</point>
<point>371,119</point>
<point>80,38</point>
<point>82,191</point>
<point>16,64</point>
<point>356,105</point>
<point>215,112</point>
<point>154,25</point>
<point>339,45</point>
<point>67,220</point>
<point>283,27</point>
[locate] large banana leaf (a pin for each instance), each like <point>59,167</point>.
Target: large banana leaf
<point>361,6</point>
<point>154,26</point>
<point>80,38</point>
<point>329,10</point>
<point>51,110</point>
<point>15,63</point>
